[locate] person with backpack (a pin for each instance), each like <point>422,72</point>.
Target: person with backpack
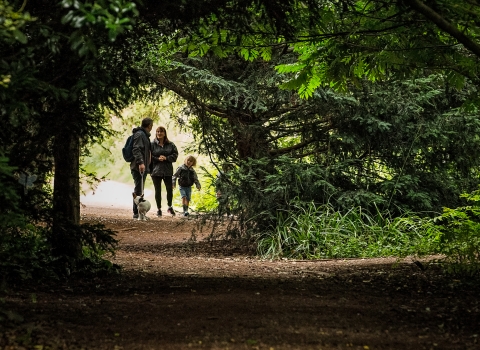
<point>164,153</point>
<point>140,164</point>
<point>187,177</point>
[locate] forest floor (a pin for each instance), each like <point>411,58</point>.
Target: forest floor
<point>179,290</point>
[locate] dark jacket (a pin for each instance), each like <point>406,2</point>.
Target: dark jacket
<point>141,149</point>
<point>169,150</point>
<point>190,172</point>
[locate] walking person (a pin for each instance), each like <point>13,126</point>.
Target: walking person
<point>139,167</point>
<point>164,154</point>
<point>187,177</point>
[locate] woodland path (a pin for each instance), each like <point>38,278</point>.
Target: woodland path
<point>175,292</point>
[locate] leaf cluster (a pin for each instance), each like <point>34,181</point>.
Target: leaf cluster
<point>459,238</point>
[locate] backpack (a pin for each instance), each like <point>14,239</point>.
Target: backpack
<point>127,150</point>
<point>186,178</point>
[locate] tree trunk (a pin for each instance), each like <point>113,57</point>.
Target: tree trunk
<point>251,140</point>
<point>66,195</point>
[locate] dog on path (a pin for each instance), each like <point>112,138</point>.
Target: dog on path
<point>143,206</point>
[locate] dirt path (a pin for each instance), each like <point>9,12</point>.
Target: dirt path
<point>179,293</point>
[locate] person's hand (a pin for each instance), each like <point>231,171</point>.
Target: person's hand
<point>199,188</point>
<point>141,168</point>
<point>162,158</point>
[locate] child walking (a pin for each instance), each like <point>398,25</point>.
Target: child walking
<point>186,176</point>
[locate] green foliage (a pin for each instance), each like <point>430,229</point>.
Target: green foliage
<point>459,241</point>
<point>396,144</point>
<point>115,16</point>
<point>26,253</point>
<point>339,43</point>
<point>10,213</point>
<point>377,41</point>
<point>309,231</point>
<point>206,199</point>
<point>12,23</point>
<point>260,188</point>
<point>98,243</point>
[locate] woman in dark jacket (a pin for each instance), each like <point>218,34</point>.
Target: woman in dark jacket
<point>164,153</point>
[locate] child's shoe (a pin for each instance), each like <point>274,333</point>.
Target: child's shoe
<point>185,214</point>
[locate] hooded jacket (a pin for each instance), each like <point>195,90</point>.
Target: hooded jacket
<point>141,149</point>
<point>169,150</point>
<point>190,172</point>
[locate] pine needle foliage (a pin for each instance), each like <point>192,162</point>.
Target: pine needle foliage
<point>397,146</point>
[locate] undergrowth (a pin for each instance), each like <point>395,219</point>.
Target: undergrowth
<point>26,254</point>
<point>310,231</point>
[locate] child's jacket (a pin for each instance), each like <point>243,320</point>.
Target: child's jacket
<point>186,177</point>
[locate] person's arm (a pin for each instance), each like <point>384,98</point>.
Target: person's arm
<point>174,177</point>
<point>172,158</point>
<point>138,149</point>
<point>195,180</point>
<point>154,156</point>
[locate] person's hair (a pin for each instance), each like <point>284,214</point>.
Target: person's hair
<point>162,128</point>
<point>192,158</point>
<point>146,122</point>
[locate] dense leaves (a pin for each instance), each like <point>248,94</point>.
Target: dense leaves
<point>405,144</point>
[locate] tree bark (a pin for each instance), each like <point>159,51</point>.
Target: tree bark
<point>66,195</point>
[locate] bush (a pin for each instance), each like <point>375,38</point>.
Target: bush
<point>459,241</point>
<point>26,254</point>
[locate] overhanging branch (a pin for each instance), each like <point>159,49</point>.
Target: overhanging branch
<point>285,150</point>
<point>444,25</point>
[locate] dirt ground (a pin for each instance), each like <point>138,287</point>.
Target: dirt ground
<point>175,292</point>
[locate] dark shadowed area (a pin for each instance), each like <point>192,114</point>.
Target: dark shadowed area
<point>178,291</point>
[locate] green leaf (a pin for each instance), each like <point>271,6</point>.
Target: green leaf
<point>19,36</point>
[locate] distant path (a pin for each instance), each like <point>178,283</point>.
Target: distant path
<point>112,194</point>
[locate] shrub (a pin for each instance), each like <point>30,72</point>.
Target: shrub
<point>460,237</point>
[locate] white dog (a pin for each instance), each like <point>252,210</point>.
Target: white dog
<point>143,206</point>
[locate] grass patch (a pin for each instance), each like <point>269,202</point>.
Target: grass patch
<point>310,231</point>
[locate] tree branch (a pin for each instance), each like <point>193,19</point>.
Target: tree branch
<point>160,80</point>
<point>276,152</point>
<point>444,25</point>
